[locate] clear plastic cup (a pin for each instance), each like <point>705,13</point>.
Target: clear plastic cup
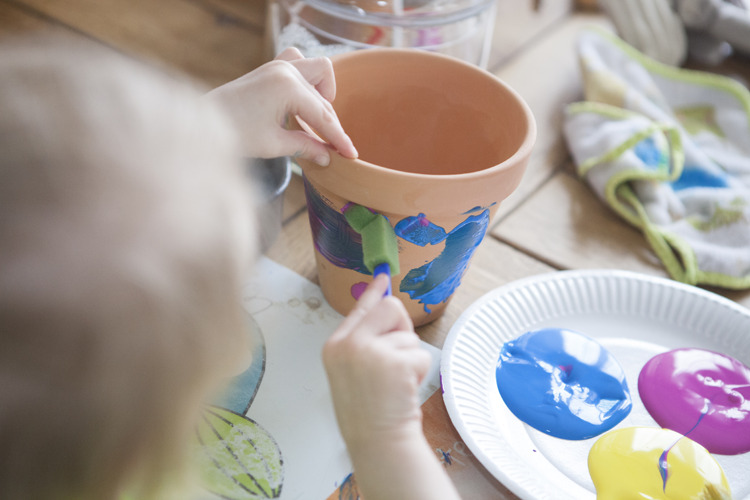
<point>459,28</point>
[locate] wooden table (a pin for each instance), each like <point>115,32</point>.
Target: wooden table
<point>552,222</point>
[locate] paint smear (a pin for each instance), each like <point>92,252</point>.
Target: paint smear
<point>358,289</point>
<point>420,231</point>
<point>434,282</point>
<point>631,463</point>
<point>562,383</point>
<point>701,394</point>
<point>332,235</point>
<point>430,284</point>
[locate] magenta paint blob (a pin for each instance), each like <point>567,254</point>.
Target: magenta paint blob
<point>701,394</point>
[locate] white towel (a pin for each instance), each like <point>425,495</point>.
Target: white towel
<point>669,150</point>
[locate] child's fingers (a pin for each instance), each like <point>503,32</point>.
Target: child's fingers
<point>405,352</point>
<point>306,103</point>
<point>404,320</point>
<point>302,145</point>
<point>388,316</point>
<point>421,362</point>
<point>318,72</point>
<point>310,91</point>
<point>372,295</point>
<point>326,124</point>
<point>314,107</point>
<point>290,54</point>
<point>403,340</point>
<point>417,359</point>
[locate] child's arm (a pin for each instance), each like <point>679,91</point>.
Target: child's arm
<point>375,365</point>
<point>261,102</point>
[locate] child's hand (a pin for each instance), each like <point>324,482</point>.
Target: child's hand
<point>375,366</point>
<point>261,102</point>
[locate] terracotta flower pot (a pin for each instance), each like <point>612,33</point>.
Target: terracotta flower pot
<point>441,144</point>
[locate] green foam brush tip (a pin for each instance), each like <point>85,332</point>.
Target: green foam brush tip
<point>379,245</point>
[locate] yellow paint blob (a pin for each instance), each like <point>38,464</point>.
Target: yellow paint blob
<point>629,464</point>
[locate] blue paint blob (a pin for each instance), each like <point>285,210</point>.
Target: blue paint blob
<point>650,154</point>
<point>562,383</point>
<point>419,231</point>
<point>693,176</point>
<point>435,282</point>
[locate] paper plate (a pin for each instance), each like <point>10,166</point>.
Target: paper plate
<point>633,315</point>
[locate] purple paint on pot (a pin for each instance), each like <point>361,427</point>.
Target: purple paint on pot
<point>332,235</point>
<point>358,289</point>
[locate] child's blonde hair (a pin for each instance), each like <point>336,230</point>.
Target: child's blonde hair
<point>124,222</point>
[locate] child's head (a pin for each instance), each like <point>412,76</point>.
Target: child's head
<point>124,224</point>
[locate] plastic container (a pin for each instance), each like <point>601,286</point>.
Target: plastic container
<point>458,28</point>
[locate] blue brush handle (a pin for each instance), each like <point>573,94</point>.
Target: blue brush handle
<point>384,268</point>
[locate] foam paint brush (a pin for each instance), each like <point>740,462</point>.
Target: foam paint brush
<point>379,245</point>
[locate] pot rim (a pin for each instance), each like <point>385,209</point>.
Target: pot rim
<point>523,151</point>
<point>417,189</point>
